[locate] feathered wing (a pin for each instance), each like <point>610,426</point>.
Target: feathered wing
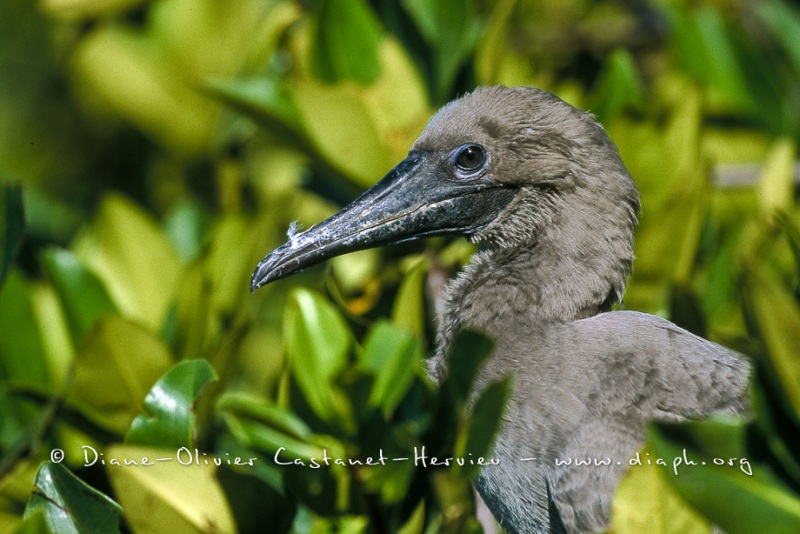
<point>592,404</point>
<point>656,371</point>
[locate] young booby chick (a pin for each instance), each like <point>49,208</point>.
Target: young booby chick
<point>541,188</point>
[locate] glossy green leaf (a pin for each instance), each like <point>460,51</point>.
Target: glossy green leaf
<point>756,502</point>
<point>345,38</point>
<point>392,355</point>
<point>115,367</point>
<point>170,422</point>
<point>318,345</point>
<point>182,492</point>
<point>129,252</point>
<point>774,317</point>
<point>12,226</point>
<point>484,422</point>
<point>70,505</point>
<point>83,296</point>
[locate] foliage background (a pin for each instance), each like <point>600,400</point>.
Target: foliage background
<point>165,146</point>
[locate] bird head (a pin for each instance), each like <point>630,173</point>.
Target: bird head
<point>500,166</point>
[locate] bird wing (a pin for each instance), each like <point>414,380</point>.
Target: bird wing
<point>583,390</point>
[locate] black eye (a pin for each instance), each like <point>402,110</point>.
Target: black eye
<point>471,158</point>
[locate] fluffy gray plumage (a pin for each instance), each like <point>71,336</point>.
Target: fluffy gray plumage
<point>586,379</point>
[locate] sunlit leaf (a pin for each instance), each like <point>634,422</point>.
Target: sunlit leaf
<point>114,369</point>
<point>754,498</point>
<point>12,225</point>
<point>776,185</point>
<point>83,296</point>
<point>70,505</point>
<point>493,51</point>
<point>318,343</point>
<point>170,407</point>
<point>774,316</point>
<point>133,258</point>
<point>22,355</point>
<point>391,354</point>
<point>409,305</point>
<point>646,502</point>
<point>345,37</point>
<point>181,492</point>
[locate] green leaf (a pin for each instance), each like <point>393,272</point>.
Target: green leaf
<point>784,23</point>
<point>22,356</point>
<point>182,493</point>
<point>170,407</point>
<point>35,522</point>
<point>391,354</point>
<point>266,102</point>
<point>83,296</point>
<point>129,252</point>
<point>493,50</point>
<point>70,505</point>
<point>484,422</point>
<point>776,428</point>
<point>755,502</point>
<point>452,29</point>
<point>774,317</point>
<point>12,225</point>
<point>793,234</point>
<point>318,346</point>
<point>470,350</point>
<point>619,86</point>
<point>408,310</point>
<point>645,502</point>
<point>776,184</point>
<point>185,227</point>
<point>345,38</point>
<point>266,427</point>
<point>114,369</point>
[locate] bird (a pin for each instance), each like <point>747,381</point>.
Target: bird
<point>541,189</point>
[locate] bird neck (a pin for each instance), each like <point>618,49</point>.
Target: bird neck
<point>575,269</point>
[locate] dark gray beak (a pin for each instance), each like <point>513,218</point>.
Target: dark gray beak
<point>417,198</point>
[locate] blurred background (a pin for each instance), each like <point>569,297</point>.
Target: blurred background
<point>158,149</point>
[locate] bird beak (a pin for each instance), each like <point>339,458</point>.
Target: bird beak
<point>415,199</point>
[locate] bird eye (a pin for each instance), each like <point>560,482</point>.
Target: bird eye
<point>471,158</point>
